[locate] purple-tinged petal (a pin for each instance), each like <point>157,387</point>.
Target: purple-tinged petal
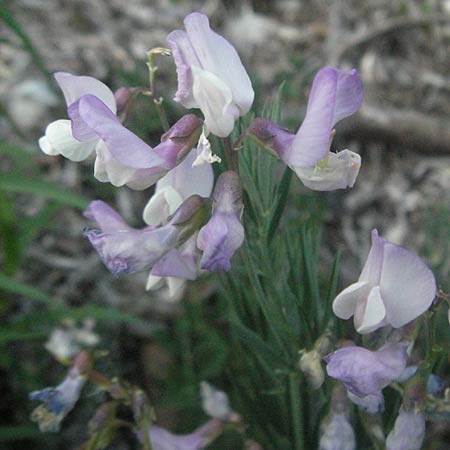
<point>178,264</point>
<point>106,218</point>
<point>349,94</point>
<point>109,169</point>
<point>224,233</point>
<point>408,432</point>
<point>335,94</point>
<point>370,315</point>
<point>312,140</point>
<point>364,372</point>
<point>212,239</point>
<point>57,402</point>
<point>408,286</point>
<point>185,57</point>
<point>344,305</point>
<point>179,140</point>
<point>271,136</point>
<point>219,57</point>
<point>372,268</point>
<point>371,404</point>
<point>188,180</point>
<point>133,251</point>
<point>74,87</point>
<point>90,116</point>
<point>162,439</point>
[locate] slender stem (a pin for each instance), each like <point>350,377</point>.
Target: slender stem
<point>230,154</point>
<point>296,410</point>
<point>158,101</point>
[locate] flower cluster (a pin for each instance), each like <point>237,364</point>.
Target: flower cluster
<point>194,223</point>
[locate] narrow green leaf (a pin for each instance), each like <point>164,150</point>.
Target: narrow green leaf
<point>283,191</point>
<point>17,287</point>
<point>11,183</point>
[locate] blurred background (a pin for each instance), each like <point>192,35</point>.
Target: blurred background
<point>51,277</point>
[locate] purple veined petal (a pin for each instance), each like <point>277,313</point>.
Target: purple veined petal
<point>372,268</point>
<point>344,305</point>
<point>214,98</point>
<point>105,217</point>
<point>133,251</point>
<point>185,57</point>
<point>74,87</point>
<point>349,94</point>
<point>371,404</point>
<point>89,115</point>
<point>219,239</point>
<point>311,141</point>
<point>370,314</point>
<point>219,57</point>
<point>58,140</point>
<point>408,432</point>
<point>364,372</point>
<point>408,286</point>
<point>188,180</point>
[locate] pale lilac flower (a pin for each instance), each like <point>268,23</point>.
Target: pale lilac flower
<point>335,94</point>
<point>210,75</point>
<point>122,157</point>
<point>224,233</point>
<point>161,439</point>
<point>336,433</point>
<point>57,402</point>
<point>364,372</point>
<point>126,249</point>
<point>395,287</point>
<point>408,432</point>
<point>171,190</point>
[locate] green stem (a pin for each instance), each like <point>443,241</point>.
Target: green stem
<point>296,409</point>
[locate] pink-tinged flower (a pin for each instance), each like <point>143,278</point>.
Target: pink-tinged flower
<point>57,402</point>
<point>364,372</point>
<point>408,432</point>
<point>210,75</point>
<point>224,233</point>
<point>162,439</point>
<point>395,287</point>
<point>126,249</point>
<point>335,94</point>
